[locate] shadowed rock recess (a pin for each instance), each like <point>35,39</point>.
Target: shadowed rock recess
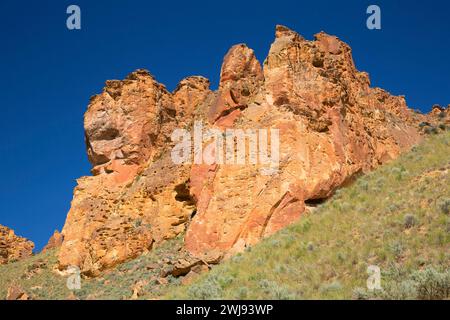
<point>332,126</point>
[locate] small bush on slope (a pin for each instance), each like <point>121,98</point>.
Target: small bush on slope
<point>427,284</point>
<point>395,217</point>
<point>43,284</point>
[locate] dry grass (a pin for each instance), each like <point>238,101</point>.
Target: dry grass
<point>397,218</point>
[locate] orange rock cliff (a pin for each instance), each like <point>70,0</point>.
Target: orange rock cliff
<point>13,247</point>
<point>332,126</point>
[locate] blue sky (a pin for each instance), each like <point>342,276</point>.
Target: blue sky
<point>49,73</point>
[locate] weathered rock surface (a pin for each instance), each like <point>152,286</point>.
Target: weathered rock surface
<point>137,196</point>
<point>13,247</point>
<point>241,75</point>
<point>332,126</point>
<point>55,241</point>
<point>16,293</point>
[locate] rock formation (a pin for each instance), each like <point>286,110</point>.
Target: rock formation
<point>137,196</point>
<point>55,241</point>
<point>13,247</point>
<point>332,126</point>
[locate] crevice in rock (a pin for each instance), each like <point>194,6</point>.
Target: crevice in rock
<point>183,194</point>
<point>315,202</point>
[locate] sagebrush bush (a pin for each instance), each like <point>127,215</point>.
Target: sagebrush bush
<point>360,294</point>
<point>427,284</point>
<point>445,206</point>
<point>329,287</point>
<point>242,293</point>
<point>432,284</point>
<point>409,221</point>
<point>397,248</point>
<point>205,290</point>
<point>310,246</point>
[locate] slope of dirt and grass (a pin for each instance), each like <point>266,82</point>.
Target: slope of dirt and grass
<point>396,218</point>
<point>39,278</point>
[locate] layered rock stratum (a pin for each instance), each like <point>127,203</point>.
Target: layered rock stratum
<point>13,247</point>
<point>333,126</point>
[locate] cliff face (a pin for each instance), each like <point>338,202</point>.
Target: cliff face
<point>13,247</point>
<point>332,126</point>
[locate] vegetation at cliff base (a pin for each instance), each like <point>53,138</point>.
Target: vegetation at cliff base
<point>396,218</point>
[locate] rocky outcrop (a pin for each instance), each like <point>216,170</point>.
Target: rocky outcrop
<point>332,127</point>
<point>55,241</point>
<point>127,124</point>
<point>240,76</point>
<point>13,247</point>
<point>137,197</point>
<point>188,96</point>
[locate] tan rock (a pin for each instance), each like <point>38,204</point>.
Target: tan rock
<point>137,197</point>
<point>16,293</point>
<point>193,274</point>
<point>126,120</point>
<point>240,77</point>
<point>138,289</point>
<point>189,96</point>
<point>184,266</point>
<point>13,247</point>
<point>55,241</point>
<point>332,126</point>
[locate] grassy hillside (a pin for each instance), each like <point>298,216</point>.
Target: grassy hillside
<point>37,277</point>
<point>397,218</point>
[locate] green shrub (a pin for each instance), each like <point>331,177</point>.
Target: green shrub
<point>137,223</point>
<point>242,293</point>
<point>205,290</point>
<point>310,246</point>
<point>404,290</point>
<point>360,294</point>
<point>364,185</point>
<point>432,284</point>
<point>428,284</point>
<point>431,130</point>
<point>445,206</point>
<point>283,293</point>
<point>409,221</point>
<point>330,287</point>
<point>396,247</point>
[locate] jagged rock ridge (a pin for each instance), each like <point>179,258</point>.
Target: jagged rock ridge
<point>333,126</point>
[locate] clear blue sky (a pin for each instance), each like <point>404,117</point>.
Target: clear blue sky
<point>48,73</point>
